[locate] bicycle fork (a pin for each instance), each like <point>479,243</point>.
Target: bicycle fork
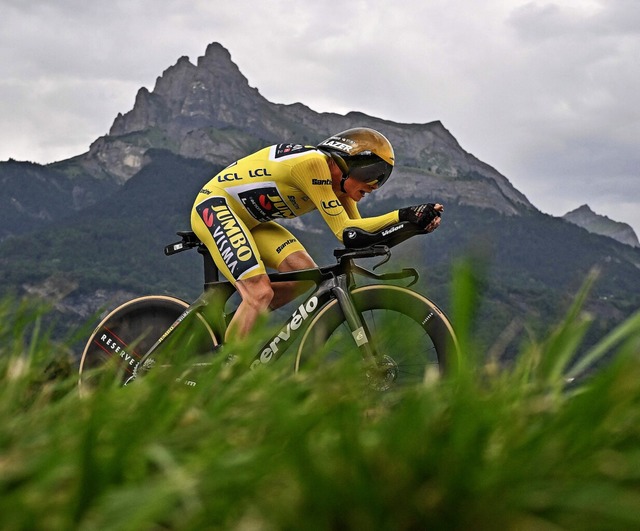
<point>356,325</point>
<point>381,370</point>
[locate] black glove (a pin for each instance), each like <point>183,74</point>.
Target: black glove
<point>420,215</point>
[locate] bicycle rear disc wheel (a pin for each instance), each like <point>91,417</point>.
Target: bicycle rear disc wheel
<point>411,336</point>
<point>127,333</point>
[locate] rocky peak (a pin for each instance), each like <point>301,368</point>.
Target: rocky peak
<point>209,111</point>
<point>217,59</point>
<point>189,96</point>
<point>586,218</point>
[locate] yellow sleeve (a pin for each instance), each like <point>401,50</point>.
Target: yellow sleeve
<point>350,207</point>
<point>337,215</point>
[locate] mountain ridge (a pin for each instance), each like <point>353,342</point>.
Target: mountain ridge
<point>585,217</point>
<point>135,186</point>
<point>209,111</point>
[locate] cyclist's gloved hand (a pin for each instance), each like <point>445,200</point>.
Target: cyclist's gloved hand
<point>421,215</point>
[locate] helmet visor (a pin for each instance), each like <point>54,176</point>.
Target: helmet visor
<point>369,169</point>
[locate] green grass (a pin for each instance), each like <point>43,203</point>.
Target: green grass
<point>492,447</point>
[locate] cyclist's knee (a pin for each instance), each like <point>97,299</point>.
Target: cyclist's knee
<point>256,292</point>
<point>296,261</point>
<point>263,295</point>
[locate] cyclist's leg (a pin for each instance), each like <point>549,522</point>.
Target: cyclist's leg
<point>285,292</point>
<point>235,252</point>
<point>256,294</point>
<point>282,251</point>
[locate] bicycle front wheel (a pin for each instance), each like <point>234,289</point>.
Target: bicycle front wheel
<point>128,332</point>
<point>410,335</point>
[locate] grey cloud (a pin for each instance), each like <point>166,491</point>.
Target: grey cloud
<point>539,21</point>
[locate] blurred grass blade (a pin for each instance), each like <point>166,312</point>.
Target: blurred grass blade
<point>465,302</point>
<point>562,346</point>
<point>629,328</point>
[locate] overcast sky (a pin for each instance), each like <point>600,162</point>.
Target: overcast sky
<point>545,91</point>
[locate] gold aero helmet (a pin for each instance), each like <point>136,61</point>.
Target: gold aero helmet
<point>361,153</point>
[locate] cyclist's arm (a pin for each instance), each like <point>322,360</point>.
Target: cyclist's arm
<point>338,223</point>
<point>336,214</point>
<point>351,208</point>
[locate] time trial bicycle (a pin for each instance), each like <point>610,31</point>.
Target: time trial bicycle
<point>399,333</point>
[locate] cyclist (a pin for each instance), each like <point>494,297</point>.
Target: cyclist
<point>235,213</point>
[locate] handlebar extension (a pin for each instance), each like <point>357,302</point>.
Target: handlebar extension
<point>355,238</point>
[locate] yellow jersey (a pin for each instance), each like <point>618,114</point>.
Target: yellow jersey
<point>277,182</point>
<point>286,181</point>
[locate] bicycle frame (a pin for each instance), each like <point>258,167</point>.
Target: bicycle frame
<point>335,286</point>
<point>332,282</point>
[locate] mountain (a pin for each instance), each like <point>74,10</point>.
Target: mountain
<point>35,196</point>
<point>88,232</point>
<point>208,111</point>
<point>587,219</point>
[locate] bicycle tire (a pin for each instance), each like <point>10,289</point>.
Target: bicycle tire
<point>408,329</point>
<point>127,333</point>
